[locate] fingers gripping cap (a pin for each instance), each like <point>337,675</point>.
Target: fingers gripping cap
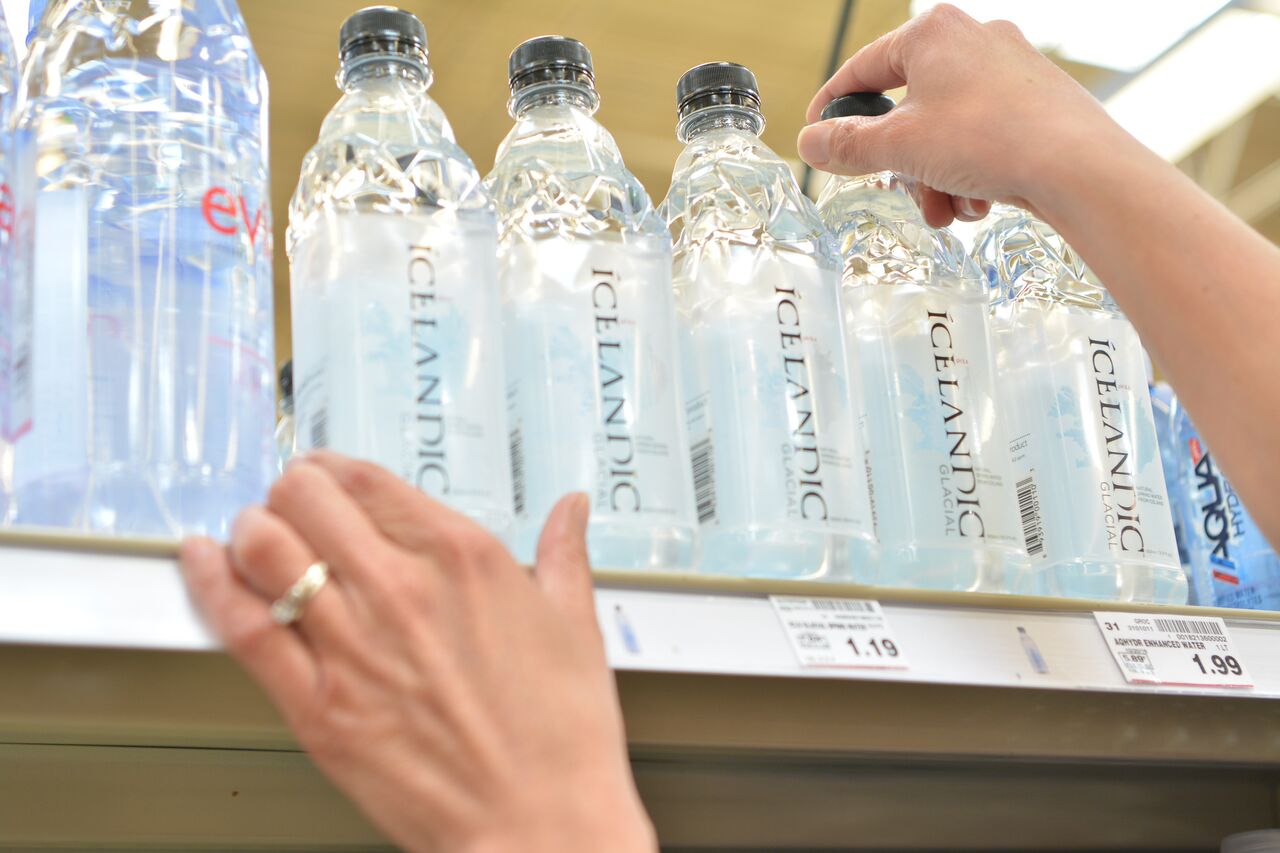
<point>858,104</point>
<point>549,52</point>
<point>382,29</point>
<point>722,81</point>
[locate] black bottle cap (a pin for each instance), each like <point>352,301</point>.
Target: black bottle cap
<point>382,29</point>
<point>286,380</point>
<point>716,83</point>
<point>858,104</point>
<point>549,57</point>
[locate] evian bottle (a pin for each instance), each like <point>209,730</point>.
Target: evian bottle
<point>16,171</point>
<point>915,313</point>
<point>392,245</point>
<point>593,400</point>
<point>1094,510</point>
<point>153,402</point>
<point>778,463</point>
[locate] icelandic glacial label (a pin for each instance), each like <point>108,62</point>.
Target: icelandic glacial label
<point>1085,439</point>
<point>1121,516</point>
<point>925,361</point>
<point>396,352</point>
<point>772,431</point>
<point>60,309</point>
<point>592,399</point>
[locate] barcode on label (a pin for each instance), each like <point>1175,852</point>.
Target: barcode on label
<point>704,480</point>
<point>842,605</point>
<point>1029,507</point>
<point>517,470</point>
<point>320,427</point>
<point>1190,626</point>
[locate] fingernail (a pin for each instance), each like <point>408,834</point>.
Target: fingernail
<point>968,207</point>
<point>814,144</point>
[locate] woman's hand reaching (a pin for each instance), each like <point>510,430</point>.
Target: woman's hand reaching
<point>986,116</point>
<point>462,702</point>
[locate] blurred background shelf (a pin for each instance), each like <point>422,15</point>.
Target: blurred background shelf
<point>121,723</point>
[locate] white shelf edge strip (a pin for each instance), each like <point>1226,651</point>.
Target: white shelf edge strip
<point>69,598</point>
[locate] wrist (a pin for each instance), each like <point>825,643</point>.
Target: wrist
<point>1082,167</point>
<point>585,825</point>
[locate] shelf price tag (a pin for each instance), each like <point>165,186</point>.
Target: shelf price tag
<point>838,632</point>
<point>1186,651</point>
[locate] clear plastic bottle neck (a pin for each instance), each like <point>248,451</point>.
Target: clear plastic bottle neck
<point>554,94</point>
<point>718,117</point>
<point>366,70</point>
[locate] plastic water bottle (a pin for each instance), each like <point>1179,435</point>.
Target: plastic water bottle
<point>392,244</point>
<point>915,315</point>
<point>778,463</point>
<point>1095,513</point>
<point>1163,413</point>
<point>1231,563</point>
<point>593,402</point>
<point>35,11</point>
<point>153,397</point>
<point>16,168</point>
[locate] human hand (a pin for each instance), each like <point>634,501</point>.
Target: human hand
<point>985,117</point>
<point>463,703</point>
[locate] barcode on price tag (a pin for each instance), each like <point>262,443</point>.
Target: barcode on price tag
<point>838,632</point>
<point>1175,650</point>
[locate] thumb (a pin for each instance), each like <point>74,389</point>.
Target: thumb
<point>855,145</point>
<point>563,569</point>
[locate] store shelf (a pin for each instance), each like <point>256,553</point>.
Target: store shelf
<point>115,693</point>
<point>62,590</point>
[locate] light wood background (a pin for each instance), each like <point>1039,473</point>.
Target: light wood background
<point>640,49</point>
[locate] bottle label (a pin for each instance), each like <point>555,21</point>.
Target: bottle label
<point>773,436</point>
<point>593,401</point>
<point>939,455</point>
<point>58,441</point>
<point>397,352</point>
<point>16,291</point>
<point>1232,564</point>
<point>1083,439</point>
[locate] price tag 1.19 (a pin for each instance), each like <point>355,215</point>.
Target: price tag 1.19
<point>840,632</point>
<point>1183,651</point>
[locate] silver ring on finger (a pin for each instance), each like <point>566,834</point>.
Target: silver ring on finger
<point>288,608</point>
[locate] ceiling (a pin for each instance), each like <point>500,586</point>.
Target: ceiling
<point>640,49</point>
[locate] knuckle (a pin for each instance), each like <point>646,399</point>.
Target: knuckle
<point>289,489</point>
<point>244,638</point>
<point>255,542</point>
<point>944,14</point>
<point>1008,29</point>
<point>480,549</point>
<point>410,584</point>
<point>363,478</point>
<point>847,142</point>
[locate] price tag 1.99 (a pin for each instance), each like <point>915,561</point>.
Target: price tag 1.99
<point>843,632</point>
<point>1187,651</point>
